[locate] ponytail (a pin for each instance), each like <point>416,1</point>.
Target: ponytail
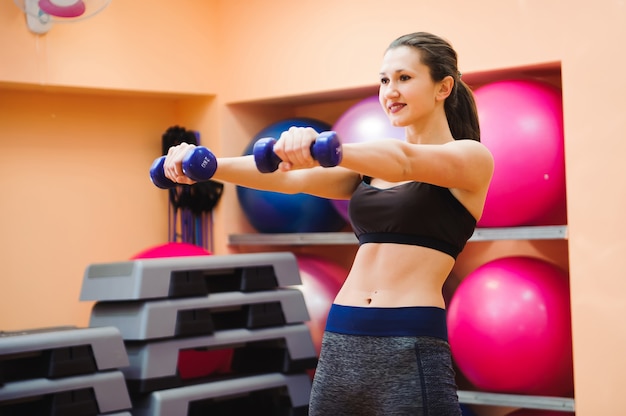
<point>461,112</point>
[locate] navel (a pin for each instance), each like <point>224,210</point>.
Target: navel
<point>369,299</point>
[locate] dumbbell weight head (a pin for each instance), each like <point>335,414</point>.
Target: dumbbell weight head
<point>200,164</point>
<point>327,150</point>
<point>264,156</point>
<point>157,176</point>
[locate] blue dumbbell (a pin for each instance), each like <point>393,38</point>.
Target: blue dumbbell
<point>326,149</point>
<point>199,164</point>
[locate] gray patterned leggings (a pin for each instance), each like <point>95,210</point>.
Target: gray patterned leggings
<point>365,375</point>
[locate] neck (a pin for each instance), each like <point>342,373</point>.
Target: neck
<point>432,129</point>
<point>432,134</point>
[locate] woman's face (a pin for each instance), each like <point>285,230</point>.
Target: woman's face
<point>407,92</point>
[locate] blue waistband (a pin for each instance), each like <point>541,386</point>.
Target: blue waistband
<point>385,322</point>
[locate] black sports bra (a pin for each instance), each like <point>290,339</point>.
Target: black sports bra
<point>415,213</point>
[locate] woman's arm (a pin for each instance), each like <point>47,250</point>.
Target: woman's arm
<point>332,183</point>
<point>460,164</point>
<point>466,165</point>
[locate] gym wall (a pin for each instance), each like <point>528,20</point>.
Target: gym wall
<point>82,109</point>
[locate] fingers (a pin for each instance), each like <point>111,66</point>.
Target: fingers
<point>173,165</point>
<point>294,148</point>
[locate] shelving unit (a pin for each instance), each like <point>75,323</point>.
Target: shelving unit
<point>559,404</point>
<point>550,232</point>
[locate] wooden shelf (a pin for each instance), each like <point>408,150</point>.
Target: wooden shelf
<point>547,232</point>
<point>293,239</point>
<point>560,404</point>
<point>550,232</point>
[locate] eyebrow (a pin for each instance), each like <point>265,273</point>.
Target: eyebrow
<point>395,72</point>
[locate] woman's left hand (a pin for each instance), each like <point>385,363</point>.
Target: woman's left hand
<point>294,148</point>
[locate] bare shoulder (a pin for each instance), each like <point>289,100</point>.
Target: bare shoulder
<point>473,146</point>
<point>478,165</point>
<point>474,151</point>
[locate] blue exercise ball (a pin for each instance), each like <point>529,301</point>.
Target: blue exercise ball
<point>273,212</point>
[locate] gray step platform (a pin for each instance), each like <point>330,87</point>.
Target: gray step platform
<point>188,276</point>
<point>286,349</point>
<point>60,352</point>
<point>98,393</point>
<point>201,315</point>
<point>272,393</point>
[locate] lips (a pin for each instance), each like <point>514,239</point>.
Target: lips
<point>395,107</point>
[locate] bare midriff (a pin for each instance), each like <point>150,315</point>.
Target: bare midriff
<point>396,275</point>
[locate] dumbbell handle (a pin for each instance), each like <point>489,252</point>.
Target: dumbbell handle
<point>199,164</point>
<point>326,149</point>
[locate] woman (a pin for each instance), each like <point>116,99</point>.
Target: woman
<point>414,204</point>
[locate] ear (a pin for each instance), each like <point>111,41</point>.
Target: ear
<point>444,89</point>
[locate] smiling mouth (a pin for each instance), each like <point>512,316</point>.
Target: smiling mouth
<point>394,108</point>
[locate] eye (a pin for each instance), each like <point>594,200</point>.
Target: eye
<point>384,81</point>
<point>404,77</point>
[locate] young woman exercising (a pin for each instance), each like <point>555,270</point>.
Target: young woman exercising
<point>413,206</point>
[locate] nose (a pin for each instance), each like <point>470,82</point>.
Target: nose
<point>389,90</point>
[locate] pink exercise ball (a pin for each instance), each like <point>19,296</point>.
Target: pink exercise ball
<point>172,249</point>
<point>364,121</point>
<point>521,122</point>
<point>321,281</point>
<point>191,363</point>
<point>509,327</point>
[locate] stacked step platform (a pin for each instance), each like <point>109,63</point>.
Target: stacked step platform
<point>242,308</point>
<point>63,371</point>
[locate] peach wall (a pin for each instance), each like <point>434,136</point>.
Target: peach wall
<point>75,191</point>
<point>196,59</point>
<point>146,45</point>
<point>310,46</point>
